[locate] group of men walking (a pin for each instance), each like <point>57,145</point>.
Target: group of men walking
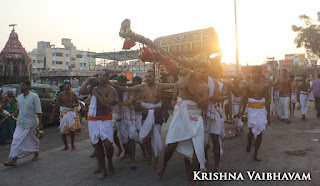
<point>117,111</point>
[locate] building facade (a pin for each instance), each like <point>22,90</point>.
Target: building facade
<point>48,57</point>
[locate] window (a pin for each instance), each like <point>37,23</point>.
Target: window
<point>79,56</point>
<point>73,66</point>
<point>40,91</point>
<point>33,61</point>
<point>51,93</point>
<point>7,89</point>
<point>174,48</point>
<point>185,46</point>
<point>67,55</point>
<point>73,59</point>
<point>39,61</point>
<point>165,49</point>
<point>59,54</point>
<point>59,62</point>
<point>196,45</point>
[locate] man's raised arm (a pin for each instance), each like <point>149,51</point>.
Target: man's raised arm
<point>126,89</point>
<point>106,100</point>
<point>84,89</point>
<point>166,86</point>
<point>175,94</point>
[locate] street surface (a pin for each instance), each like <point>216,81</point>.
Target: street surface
<point>285,147</point>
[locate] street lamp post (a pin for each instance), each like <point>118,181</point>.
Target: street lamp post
<point>236,30</point>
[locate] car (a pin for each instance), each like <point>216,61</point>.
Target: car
<point>46,94</point>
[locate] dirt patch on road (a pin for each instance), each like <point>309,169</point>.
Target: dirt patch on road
<point>298,153</point>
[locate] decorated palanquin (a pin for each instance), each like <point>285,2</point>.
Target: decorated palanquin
<point>168,52</point>
<point>15,64</point>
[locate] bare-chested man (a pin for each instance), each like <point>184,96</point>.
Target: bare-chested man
<point>284,93</point>
<point>100,119</point>
<point>293,100</point>
<point>186,131</point>
<point>236,90</point>
<point>124,122</point>
<point>67,101</point>
<point>137,118</point>
<point>150,132</point>
<point>303,91</point>
<point>213,119</point>
<point>257,96</point>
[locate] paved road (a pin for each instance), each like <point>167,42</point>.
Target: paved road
<point>291,147</point>
<point>51,140</point>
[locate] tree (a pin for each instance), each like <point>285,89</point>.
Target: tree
<point>308,36</point>
<point>298,71</point>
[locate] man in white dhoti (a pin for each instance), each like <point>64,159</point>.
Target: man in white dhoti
<point>69,122</point>
<point>24,139</point>
<point>284,93</point>
<point>137,117</point>
<point>293,99</point>
<point>236,90</point>
<point>150,132</point>
<point>303,96</point>
<point>100,119</point>
<point>186,132</point>
<point>213,120</point>
<point>124,122</point>
<point>256,94</point>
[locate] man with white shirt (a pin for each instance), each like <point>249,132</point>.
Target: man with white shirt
<point>30,117</point>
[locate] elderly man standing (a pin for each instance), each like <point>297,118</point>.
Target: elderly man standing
<point>30,117</point>
<point>316,93</point>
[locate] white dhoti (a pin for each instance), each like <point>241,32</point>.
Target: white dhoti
<point>235,108</point>
<point>126,129</point>
<point>257,116</point>
<point>186,128</point>
<point>277,104</point>
<point>212,118</point>
<point>68,120</point>
<point>124,121</point>
<point>304,101</point>
<point>100,127</point>
<point>273,105</point>
<point>293,98</point>
<point>284,101</point>
<point>137,120</point>
<point>212,122</point>
<point>149,126</point>
<point>311,96</point>
<point>24,142</point>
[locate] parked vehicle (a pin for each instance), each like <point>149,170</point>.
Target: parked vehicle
<point>80,96</point>
<point>46,94</point>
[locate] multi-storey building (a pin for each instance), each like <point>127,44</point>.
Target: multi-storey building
<point>48,57</point>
